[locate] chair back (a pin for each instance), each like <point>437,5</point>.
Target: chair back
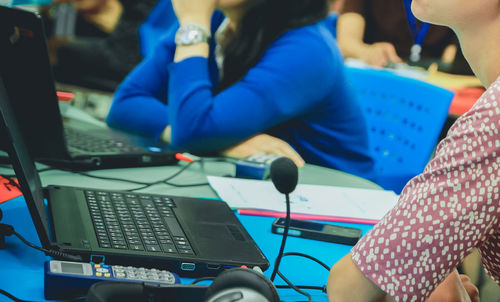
<point>405,117</point>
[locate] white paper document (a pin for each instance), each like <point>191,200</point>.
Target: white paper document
<point>306,199</point>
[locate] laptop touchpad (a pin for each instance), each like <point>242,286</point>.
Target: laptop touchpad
<point>222,241</point>
<point>225,232</point>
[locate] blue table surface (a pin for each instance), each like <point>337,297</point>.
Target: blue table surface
<point>21,271</point>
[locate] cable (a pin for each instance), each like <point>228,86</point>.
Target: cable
<point>8,230</point>
<point>283,240</point>
<point>321,288</point>
<point>175,174</point>
<point>14,175</point>
<point>296,287</point>
<point>146,184</point>
<point>308,257</point>
<point>187,185</point>
<point>10,296</point>
<point>110,178</point>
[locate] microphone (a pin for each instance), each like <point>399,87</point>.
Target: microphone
<point>284,175</point>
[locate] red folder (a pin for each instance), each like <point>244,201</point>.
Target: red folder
<point>9,189</point>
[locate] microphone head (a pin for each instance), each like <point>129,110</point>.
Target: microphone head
<point>284,175</point>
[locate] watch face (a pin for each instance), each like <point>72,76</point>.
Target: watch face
<point>191,36</point>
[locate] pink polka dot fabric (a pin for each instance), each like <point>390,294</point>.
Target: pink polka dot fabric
<point>442,214</point>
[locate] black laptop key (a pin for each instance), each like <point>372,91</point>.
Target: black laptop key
<point>183,247</point>
<point>118,241</point>
<point>153,248</point>
<point>137,247</point>
<point>186,252</point>
<point>134,241</point>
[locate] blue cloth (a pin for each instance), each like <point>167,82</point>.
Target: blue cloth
<point>297,92</point>
<point>161,21</point>
<point>331,23</point>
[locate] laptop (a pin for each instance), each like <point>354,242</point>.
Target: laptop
<point>188,236</point>
<point>63,142</point>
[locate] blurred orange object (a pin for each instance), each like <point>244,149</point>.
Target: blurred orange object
<point>464,99</point>
<point>65,96</point>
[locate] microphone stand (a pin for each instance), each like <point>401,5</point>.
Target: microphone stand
<point>283,240</point>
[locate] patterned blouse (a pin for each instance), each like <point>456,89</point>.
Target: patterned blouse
<point>442,214</point>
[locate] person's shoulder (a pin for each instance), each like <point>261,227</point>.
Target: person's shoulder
<point>305,54</point>
<point>316,32</point>
<point>481,119</point>
<point>311,42</point>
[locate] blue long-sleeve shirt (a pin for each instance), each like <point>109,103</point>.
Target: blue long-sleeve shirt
<point>296,92</point>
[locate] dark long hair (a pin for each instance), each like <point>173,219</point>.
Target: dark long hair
<point>263,22</point>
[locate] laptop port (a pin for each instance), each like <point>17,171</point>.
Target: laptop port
<point>96,161</point>
<point>188,266</point>
<point>213,266</point>
<point>98,259</point>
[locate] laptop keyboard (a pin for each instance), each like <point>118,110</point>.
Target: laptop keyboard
<point>91,143</point>
<point>137,222</point>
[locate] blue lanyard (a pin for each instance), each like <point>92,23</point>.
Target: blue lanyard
<point>417,33</point>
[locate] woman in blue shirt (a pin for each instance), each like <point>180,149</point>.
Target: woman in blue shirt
<point>270,72</point>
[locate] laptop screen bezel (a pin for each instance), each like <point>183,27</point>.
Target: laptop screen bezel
<point>29,82</point>
<point>24,167</point>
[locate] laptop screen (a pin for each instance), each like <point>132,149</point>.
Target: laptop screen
<point>24,167</point>
<point>28,79</point>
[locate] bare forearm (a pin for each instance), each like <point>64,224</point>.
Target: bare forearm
<point>347,283</point>
<point>352,48</point>
<point>350,32</point>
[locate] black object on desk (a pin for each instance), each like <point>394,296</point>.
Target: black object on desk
<point>318,231</point>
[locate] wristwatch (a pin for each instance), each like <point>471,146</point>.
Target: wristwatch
<point>190,33</point>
